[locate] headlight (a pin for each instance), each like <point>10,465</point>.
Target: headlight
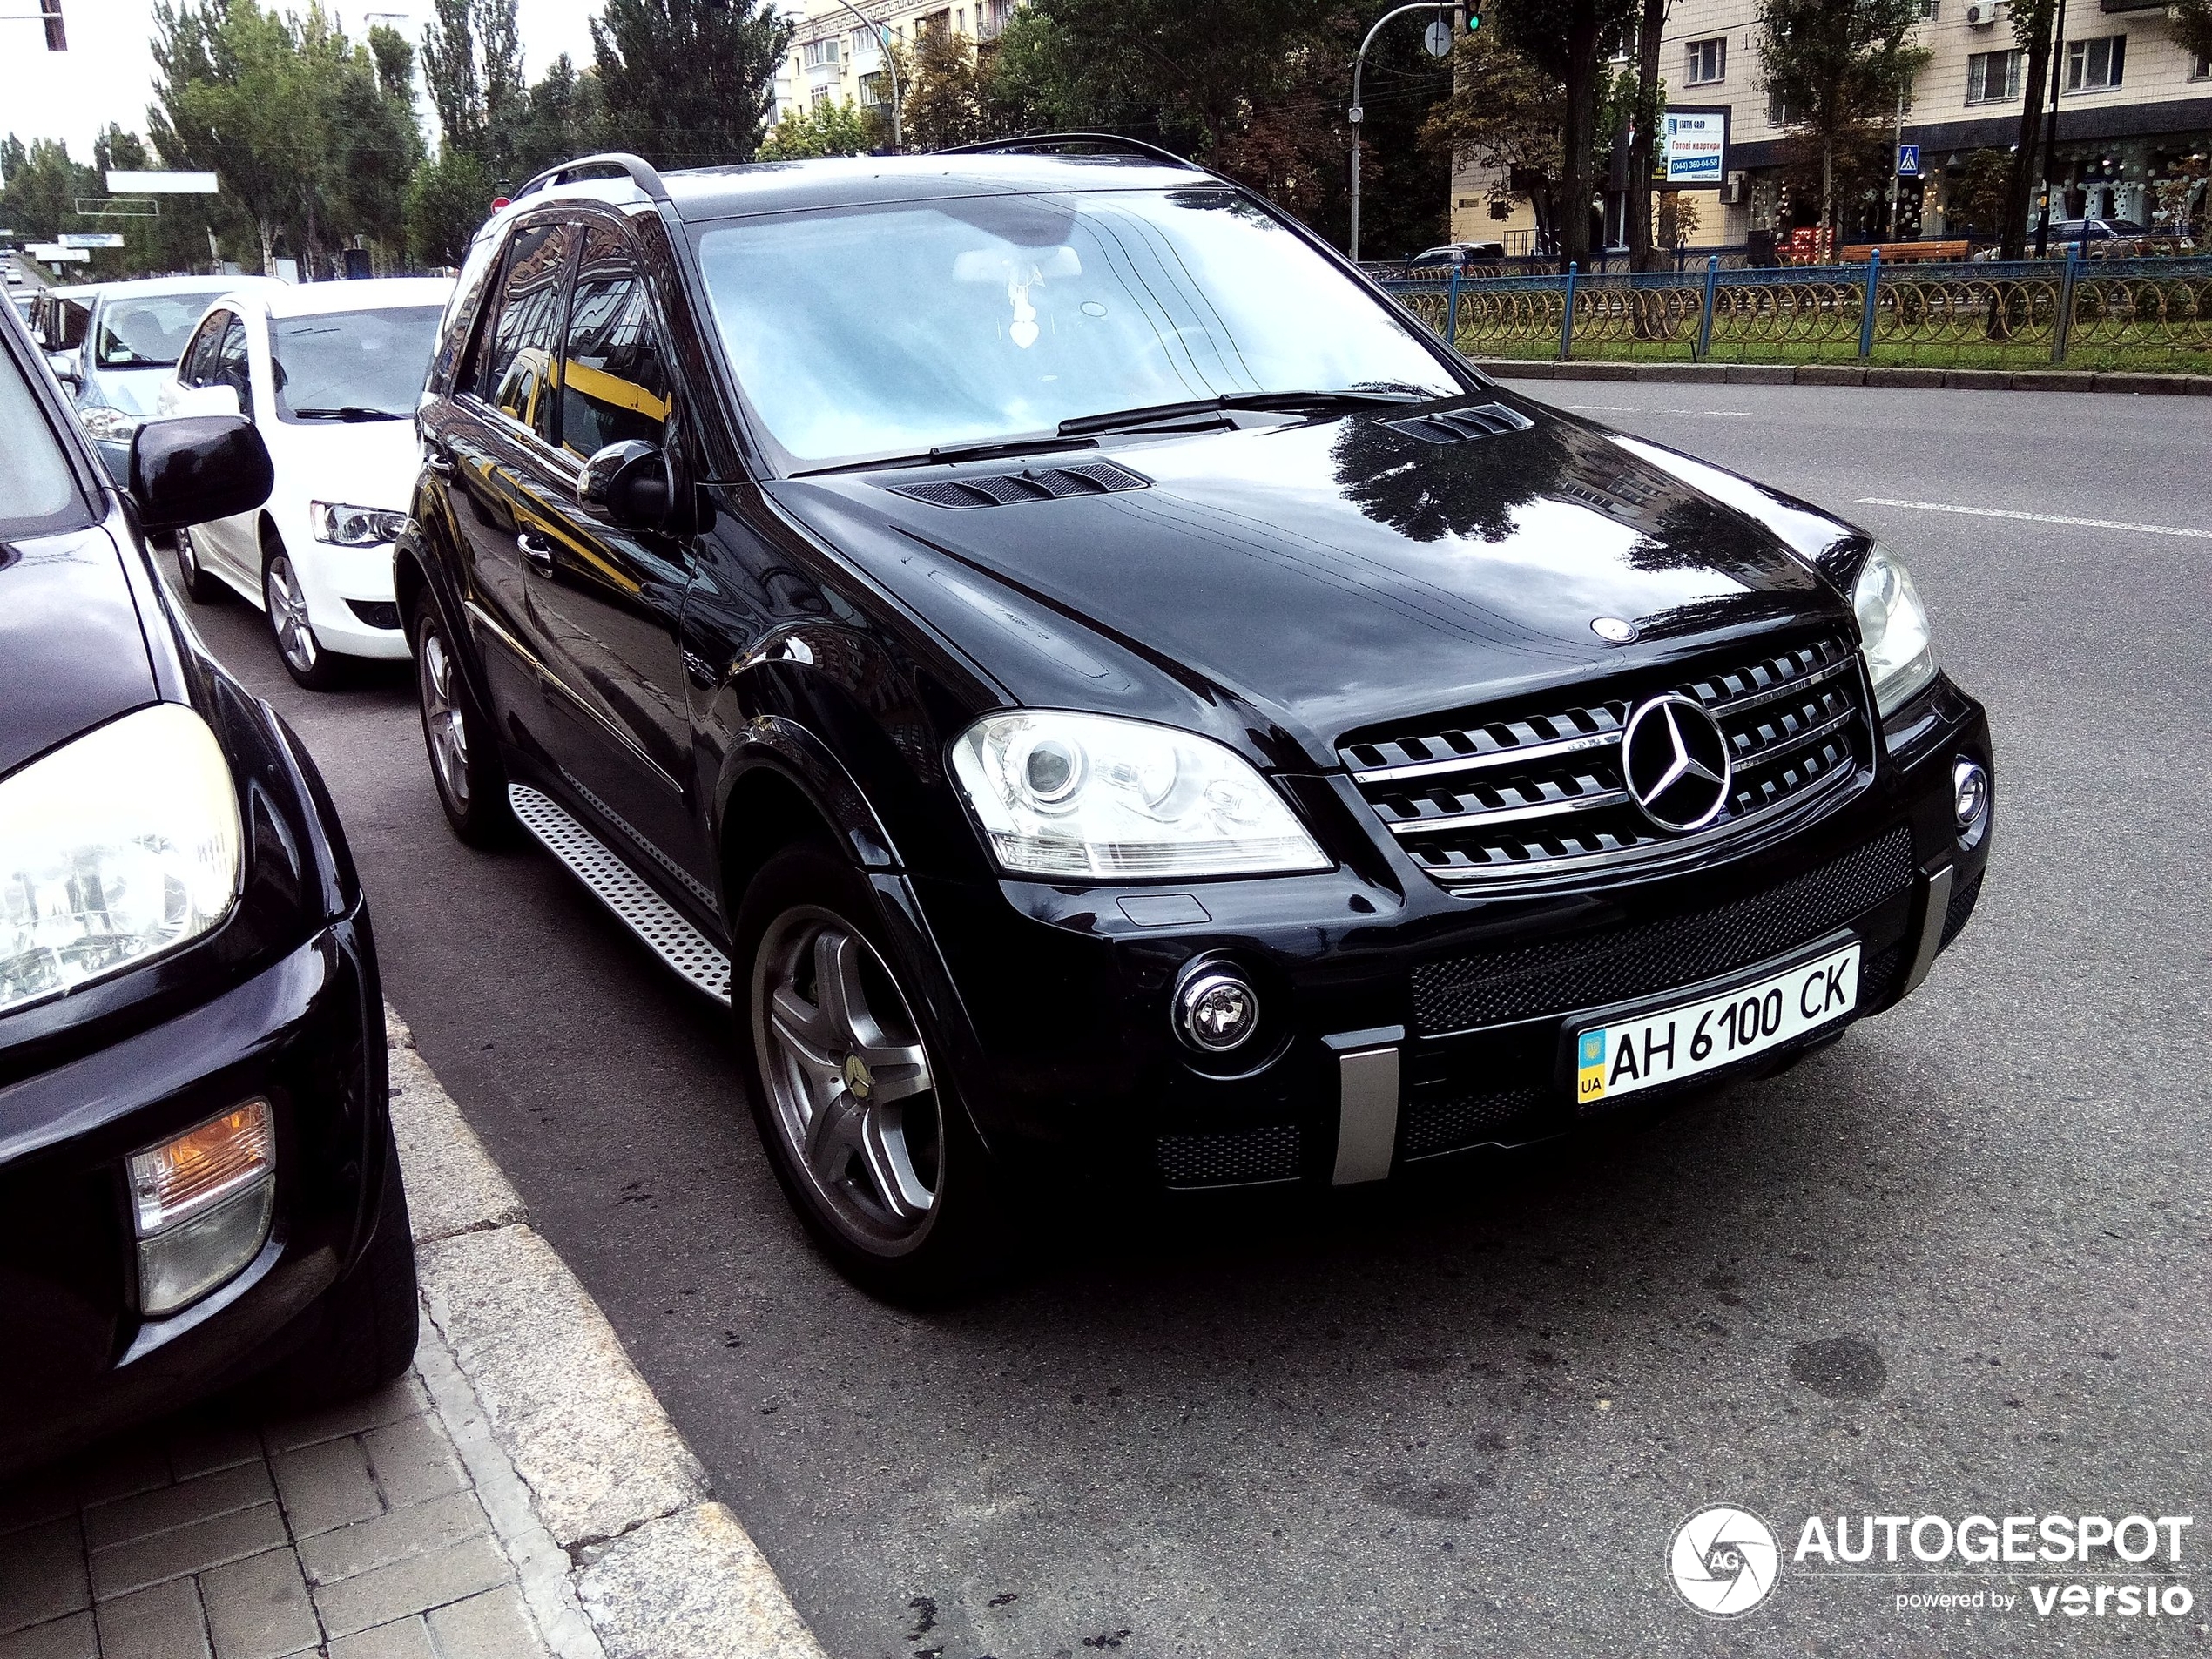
<point>113,849</point>
<point>1087,795</point>
<point>1893,628</point>
<point>106,424</point>
<point>343,526</point>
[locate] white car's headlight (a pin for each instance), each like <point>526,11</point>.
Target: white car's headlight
<point>114,848</point>
<point>1090,796</point>
<point>344,526</point>
<point>104,425</point>
<point>1894,629</point>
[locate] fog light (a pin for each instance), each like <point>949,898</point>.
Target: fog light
<point>1216,1010</point>
<point>1969,799</point>
<point>202,1204</point>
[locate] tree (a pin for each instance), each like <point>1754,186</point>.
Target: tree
<point>827,128</point>
<point>1841,68</point>
<point>472,66</point>
<point>943,99</point>
<point>375,150</point>
<point>1505,113</point>
<point>447,199</point>
<point>560,118</point>
<point>1567,39</point>
<point>2034,24</point>
<point>1647,110</point>
<point>1978,198</point>
<point>689,82</point>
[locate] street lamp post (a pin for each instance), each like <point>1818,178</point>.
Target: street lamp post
<point>890,65</point>
<point>1359,68</point>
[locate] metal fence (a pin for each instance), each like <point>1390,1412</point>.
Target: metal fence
<point>2150,313</point>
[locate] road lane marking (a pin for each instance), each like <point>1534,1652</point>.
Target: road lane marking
<point>2034,518</point>
<point>1623,408</point>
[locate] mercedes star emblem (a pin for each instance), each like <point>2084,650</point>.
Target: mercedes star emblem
<point>1613,631</point>
<point>1676,763</point>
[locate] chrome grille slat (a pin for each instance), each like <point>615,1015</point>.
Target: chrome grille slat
<point>1533,792</point>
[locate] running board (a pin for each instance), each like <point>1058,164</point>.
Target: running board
<point>657,922</point>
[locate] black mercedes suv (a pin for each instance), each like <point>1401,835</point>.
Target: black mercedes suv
<point>197,1186</point>
<point>1091,681</point>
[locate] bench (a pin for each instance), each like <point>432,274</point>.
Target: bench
<point>1906,252</point>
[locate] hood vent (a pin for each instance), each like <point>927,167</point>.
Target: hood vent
<point>1461,426</point>
<point>1031,483</point>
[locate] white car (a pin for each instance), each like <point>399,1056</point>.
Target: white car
<point>330,372</point>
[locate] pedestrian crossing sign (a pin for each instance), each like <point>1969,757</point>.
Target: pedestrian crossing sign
<point>1908,161</point>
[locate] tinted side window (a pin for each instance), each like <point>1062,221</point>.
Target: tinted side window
<point>229,365</point>
<point>198,367</point>
<point>614,377</point>
<point>36,487</point>
<point>513,369</point>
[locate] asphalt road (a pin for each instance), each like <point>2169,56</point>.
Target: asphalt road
<point>1954,1264</point>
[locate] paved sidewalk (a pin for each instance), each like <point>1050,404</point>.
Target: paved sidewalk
<point>356,1532</point>
<point>519,1494</point>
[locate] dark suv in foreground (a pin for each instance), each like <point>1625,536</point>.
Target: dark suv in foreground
<point>197,1181</point>
<point>1094,684</point>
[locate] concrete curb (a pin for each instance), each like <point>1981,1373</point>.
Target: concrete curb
<point>1951,379</point>
<point>621,1550</point>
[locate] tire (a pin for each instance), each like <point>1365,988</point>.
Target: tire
<point>464,757</point>
<point>301,653</point>
<point>198,586</point>
<point>370,1319</point>
<point>899,1192</point>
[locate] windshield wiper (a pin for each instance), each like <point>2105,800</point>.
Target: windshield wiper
<point>1120,420</point>
<point>945,453</point>
<point>346,412</point>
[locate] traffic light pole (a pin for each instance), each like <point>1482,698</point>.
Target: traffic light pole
<point>1359,68</point>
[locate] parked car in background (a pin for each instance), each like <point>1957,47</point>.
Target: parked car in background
<point>133,333</point>
<point>1104,723</point>
<point>1460,256</point>
<point>198,1183</point>
<point>2117,237</point>
<point>58,316</point>
<point>330,372</point>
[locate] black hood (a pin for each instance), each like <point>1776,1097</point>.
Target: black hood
<point>1330,573</point>
<point>69,639</point>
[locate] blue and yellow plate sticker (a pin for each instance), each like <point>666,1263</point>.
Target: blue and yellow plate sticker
<point>1589,1060</point>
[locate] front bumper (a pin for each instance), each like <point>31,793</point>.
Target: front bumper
<point>1408,1022</point>
<point>306,1033</point>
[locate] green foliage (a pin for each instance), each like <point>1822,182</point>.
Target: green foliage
<point>944,100</point>
<point>688,83</point>
<point>1841,67</point>
<point>2191,22</point>
<point>472,66</point>
<point>447,199</point>
<point>828,129</point>
<point>1977,199</point>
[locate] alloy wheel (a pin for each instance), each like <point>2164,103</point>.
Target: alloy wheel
<point>441,717</point>
<point>848,1079</point>
<point>295,636</point>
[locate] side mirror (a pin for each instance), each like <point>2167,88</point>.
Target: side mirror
<point>633,482</point>
<point>197,468</point>
<point>68,366</point>
<point>206,400</point>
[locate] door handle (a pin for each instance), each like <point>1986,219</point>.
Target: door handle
<point>537,552</point>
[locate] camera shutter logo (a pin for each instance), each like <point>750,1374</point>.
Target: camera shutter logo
<point>1723,1561</point>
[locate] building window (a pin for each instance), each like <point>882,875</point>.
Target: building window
<point>1928,9</point>
<point>863,42</point>
<point>1777,112</point>
<point>871,92</point>
<point>819,54</point>
<point>818,97</point>
<point>2095,65</point>
<point>2202,70</point>
<point>1994,77</point>
<point>1708,60</point>
<point>991,18</point>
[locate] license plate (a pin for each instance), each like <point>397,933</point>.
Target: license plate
<point>1619,1059</point>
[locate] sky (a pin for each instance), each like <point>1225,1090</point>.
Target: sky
<point>107,73</point>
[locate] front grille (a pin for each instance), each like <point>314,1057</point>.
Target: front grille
<point>1960,908</point>
<point>1591,970</point>
<point>1541,790</point>
<point>1237,1157</point>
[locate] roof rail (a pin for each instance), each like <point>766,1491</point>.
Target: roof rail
<point>1044,140</point>
<point>641,171</point>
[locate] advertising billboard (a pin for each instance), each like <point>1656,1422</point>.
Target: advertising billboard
<point>1693,148</point>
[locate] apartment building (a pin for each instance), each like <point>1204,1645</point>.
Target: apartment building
<point>835,56</point>
<point>2135,109</point>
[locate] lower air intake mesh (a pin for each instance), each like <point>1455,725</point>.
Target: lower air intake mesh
<point>1234,1158</point>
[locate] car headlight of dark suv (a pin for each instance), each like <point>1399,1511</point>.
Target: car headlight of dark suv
<point>1092,797</point>
<point>1892,630</point>
<point>120,846</point>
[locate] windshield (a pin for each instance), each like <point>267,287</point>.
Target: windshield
<point>149,331</point>
<point>894,330</point>
<point>356,363</point>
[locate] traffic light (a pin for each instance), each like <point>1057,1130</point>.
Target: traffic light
<point>1473,16</point>
<point>50,12</point>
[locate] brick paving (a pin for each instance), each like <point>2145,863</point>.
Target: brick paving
<point>354,1533</point>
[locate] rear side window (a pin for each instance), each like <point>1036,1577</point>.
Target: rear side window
<point>513,366</point>
<point>230,365</point>
<point>36,487</point>
<point>614,377</point>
